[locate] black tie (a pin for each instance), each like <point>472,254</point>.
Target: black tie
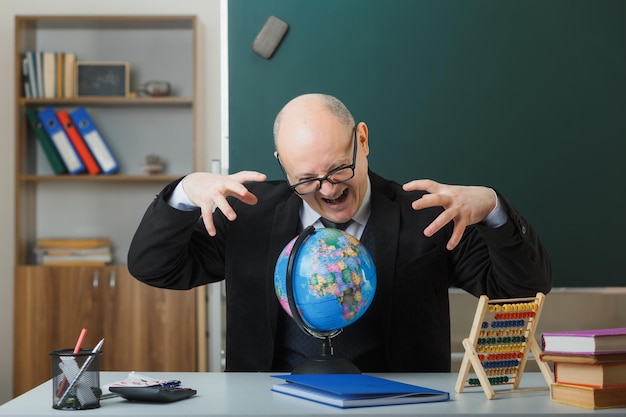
<point>340,226</point>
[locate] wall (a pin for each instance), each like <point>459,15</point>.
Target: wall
<point>209,111</point>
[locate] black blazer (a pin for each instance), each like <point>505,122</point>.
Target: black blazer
<point>171,249</point>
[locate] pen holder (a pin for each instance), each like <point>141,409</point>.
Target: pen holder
<point>75,379</point>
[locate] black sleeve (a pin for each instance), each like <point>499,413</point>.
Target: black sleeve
<point>508,261</point>
<point>172,249</point>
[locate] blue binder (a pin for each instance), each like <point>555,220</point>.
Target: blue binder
<point>94,140</point>
<point>62,143</point>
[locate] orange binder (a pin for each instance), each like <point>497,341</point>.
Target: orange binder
<point>78,142</point>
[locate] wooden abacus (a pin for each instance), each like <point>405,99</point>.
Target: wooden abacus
<point>502,335</point>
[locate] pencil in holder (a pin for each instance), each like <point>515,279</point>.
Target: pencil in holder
<point>75,379</point>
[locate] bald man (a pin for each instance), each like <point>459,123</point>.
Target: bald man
<point>425,237</point>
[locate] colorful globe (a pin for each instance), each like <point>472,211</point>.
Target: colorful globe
<point>334,279</point>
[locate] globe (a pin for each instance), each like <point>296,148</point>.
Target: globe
<point>333,279</point>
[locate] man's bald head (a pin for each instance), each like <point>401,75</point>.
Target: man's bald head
<point>304,109</point>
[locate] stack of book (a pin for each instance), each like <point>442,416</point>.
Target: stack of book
<point>589,367</point>
<point>86,252</point>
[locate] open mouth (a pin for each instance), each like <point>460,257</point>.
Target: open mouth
<point>338,200</point>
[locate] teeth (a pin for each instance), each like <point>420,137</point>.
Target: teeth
<point>331,200</point>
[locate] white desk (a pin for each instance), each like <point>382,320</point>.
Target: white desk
<point>248,394</point>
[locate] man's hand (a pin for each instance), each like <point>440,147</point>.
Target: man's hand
<point>206,190</point>
<point>465,205</point>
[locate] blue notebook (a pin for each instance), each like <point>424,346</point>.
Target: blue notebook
<point>355,390</point>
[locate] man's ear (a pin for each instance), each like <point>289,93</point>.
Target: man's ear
<point>362,137</point>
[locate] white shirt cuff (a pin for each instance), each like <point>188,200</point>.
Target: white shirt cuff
<point>179,199</point>
<point>498,215</point>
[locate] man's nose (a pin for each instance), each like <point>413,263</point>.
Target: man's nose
<point>327,188</point>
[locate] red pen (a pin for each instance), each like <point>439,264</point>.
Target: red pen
<point>79,342</point>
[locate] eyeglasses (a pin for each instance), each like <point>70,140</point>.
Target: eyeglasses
<point>335,176</point>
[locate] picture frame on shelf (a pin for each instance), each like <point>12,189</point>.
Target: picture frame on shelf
<point>102,79</point>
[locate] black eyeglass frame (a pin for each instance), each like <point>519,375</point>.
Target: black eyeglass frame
<point>326,177</point>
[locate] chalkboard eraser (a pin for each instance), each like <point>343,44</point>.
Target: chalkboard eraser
<point>270,36</point>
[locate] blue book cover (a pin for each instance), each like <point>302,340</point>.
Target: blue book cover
<point>355,390</point>
<point>94,140</point>
<point>61,141</point>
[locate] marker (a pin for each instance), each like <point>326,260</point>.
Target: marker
<point>79,342</point>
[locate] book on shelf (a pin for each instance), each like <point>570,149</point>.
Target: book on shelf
<point>31,64</point>
<point>63,145</point>
<point>60,56</point>
<point>49,74</point>
<point>79,143</point>
<point>26,77</point>
<point>69,62</point>
<point>57,164</point>
<point>594,375</point>
<point>85,260</point>
<point>102,250</point>
<point>612,340</point>
<point>588,397</point>
<point>73,243</point>
<point>355,390</point>
<point>39,70</point>
<point>89,251</point>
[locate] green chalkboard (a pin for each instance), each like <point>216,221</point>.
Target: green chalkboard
<point>526,96</point>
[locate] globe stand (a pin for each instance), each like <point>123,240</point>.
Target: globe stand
<point>326,362</point>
